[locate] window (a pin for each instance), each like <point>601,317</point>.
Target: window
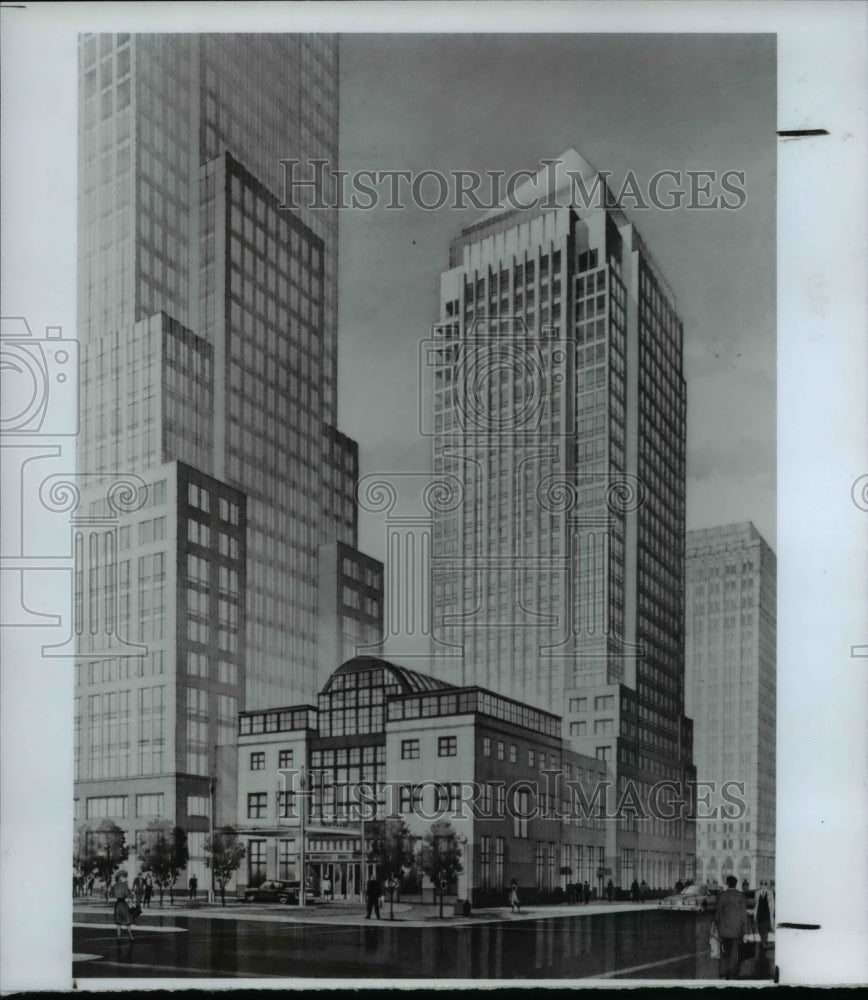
<point>255,858</point>
<point>198,805</point>
<point>540,863</point>
<point>257,804</point>
<point>485,862</point>
<point>486,746</point>
<point>604,701</point>
<point>531,758</point>
<point>285,805</point>
<point>285,859</point>
<point>227,672</point>
<point>150,804</point>
<point>197,664</point>
<point>498,862</point>
<point>406,799</point>
<point>409,749</point>
<point>105,806</point>
<point>449,798</point>
<point>604,753</point>
<point>578,728</point>
<point>522,810</point>
<point>257,761</point>
<point>513,753</point>
<point>285,759</point>
<point>603,726</point>
<point>578,704</point>
<point>447,746</point>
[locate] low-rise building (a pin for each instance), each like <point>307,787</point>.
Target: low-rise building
<point>389,743</point>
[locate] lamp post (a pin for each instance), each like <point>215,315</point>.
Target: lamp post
<point>362,874</point>
<point>302,897</point>
<point>391,884</point>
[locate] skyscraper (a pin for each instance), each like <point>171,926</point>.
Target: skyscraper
<point>207,316</point>
<point>559,422</point>
<point>731,688</point>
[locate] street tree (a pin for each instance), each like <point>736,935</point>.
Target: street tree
<point>224,853</point>
<point>84,856</point>
<point>392,852</point>
<point>105,849</point>
<point>440,858</point>
<point>391,847</point>
<point>163,852</point>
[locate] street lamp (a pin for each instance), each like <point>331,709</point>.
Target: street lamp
<point>391,885</point>
<point>302,897</point>
<point>362,847</point>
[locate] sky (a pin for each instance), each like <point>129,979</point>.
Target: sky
<point>637,103</point>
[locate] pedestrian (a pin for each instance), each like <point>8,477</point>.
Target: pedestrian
<point>730,916</point>
<point>679,886</point>
<point>373,891</point>
<point>148,891</point>
<point>610,890</point>
<point>327,889</point>
<point>765,912</point>
<point>90,885</point>
<point>122,913</point>
<point>137,888</point>
<point>193,886</point>
<point>745,885</point>
<point>514,903</point>
<point>634,891</point>
<point>587,893</point>
<point>643,890</point>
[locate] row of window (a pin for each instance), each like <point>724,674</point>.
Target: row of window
<point>447,746</point>
<point>285,759</point>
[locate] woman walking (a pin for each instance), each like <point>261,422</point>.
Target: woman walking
<point>513,897</point>
<point>121,895</point>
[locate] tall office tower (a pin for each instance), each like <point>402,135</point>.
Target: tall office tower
<point>207,317</point>
<point>181,138</point>
<point>731,685</point>
<point>559,423</point>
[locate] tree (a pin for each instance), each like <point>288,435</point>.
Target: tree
<point>101,851</point>
<point>84,858</point>
<point>440,859</point>
<point>224,853</point>
<point>392,852</point>
<point>163,852</point>
<point>391,847</point>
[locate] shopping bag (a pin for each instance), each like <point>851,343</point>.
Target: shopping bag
<point>714,941</point>
<point>746,949</point>
<point>135,911</point>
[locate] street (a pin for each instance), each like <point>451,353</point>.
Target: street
<point>618,943</point>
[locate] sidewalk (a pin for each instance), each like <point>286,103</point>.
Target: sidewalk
<point>351,912</point>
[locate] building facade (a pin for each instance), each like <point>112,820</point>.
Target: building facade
<point>559,421</point>
<point>486,768</point>
<point>731,694</point>
<point>207,320</point>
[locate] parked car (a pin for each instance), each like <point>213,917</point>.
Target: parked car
<point>273,891</point>
<point>695,898</point>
